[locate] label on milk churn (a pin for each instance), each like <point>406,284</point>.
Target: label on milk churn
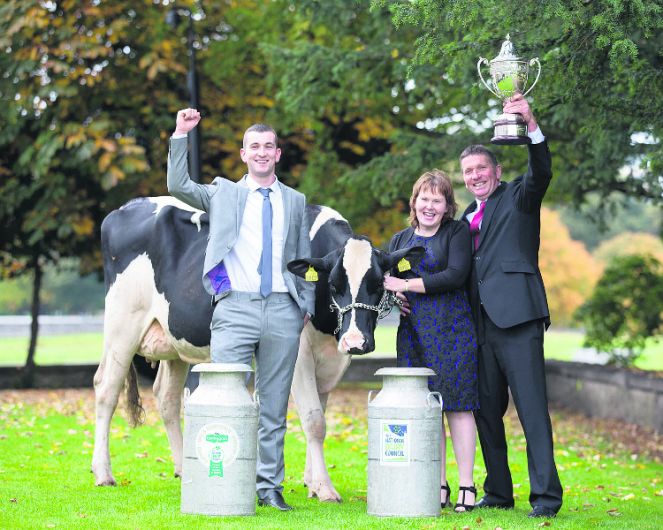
<point>395,443</point>
<point>217,446</point>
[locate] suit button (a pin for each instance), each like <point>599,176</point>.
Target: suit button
<point>480,282</point>
<point>477,258</point>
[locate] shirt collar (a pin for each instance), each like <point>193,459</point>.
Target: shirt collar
<point>253,185</point>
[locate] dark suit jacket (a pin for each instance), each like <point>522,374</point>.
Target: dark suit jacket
<point>505,268</point>
<point>452,251</point>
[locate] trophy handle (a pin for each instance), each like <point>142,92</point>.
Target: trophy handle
<point>484,60</point>
<point>538,74</point>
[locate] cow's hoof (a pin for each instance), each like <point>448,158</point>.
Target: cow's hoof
<point>325,494</point>
<point>337,499</point>
<point>102,478</point>
<point>106,482</point>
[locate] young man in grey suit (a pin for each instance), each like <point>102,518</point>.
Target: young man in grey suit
<point>508,300</point>
<point>257,225</point>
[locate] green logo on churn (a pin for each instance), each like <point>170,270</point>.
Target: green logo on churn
<point>217,446</point>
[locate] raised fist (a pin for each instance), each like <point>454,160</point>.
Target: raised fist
<point>187,119</point>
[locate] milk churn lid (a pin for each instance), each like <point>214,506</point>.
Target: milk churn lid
<point>222,367</point>
<point>405,371</point>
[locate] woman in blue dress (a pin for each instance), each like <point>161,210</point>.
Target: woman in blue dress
<point>436,329</point>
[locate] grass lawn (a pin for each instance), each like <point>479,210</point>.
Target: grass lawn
<point>87,347</point>
<point>46,440</point>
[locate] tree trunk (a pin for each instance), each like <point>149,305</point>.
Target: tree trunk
<point>29,369</point>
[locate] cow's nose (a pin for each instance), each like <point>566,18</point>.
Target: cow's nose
<point>352,342</point>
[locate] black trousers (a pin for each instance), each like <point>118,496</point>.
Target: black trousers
<point>513,358</point>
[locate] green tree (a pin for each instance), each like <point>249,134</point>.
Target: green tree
<point>89,90</point>
<point>601,90</point>
<point>626,308</point>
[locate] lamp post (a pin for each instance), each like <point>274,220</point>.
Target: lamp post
<point>173,18</point>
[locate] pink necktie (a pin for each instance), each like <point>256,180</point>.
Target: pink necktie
<point>476,222</point>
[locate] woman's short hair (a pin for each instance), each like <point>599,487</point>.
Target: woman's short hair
<point>436,181</point>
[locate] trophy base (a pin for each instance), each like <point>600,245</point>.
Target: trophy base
<point>510,129</point>
<point>510,140</point>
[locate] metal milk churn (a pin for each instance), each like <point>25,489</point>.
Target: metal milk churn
<point>404,429</point>
<point>220,443</point>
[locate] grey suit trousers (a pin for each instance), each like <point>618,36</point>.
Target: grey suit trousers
<point>244,324</point>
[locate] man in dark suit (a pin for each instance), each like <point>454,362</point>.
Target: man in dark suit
<point>257,226</point>
<point>508,300</point>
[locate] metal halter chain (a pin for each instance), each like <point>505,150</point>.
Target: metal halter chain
<point>383,308</point>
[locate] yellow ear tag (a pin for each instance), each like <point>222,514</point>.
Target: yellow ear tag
<point>404,265</point>
<point>311,274</point>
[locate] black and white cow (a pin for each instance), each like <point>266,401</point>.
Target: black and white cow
<point>153,250</point>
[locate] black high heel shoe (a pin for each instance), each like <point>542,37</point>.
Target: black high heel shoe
<point>448,501</point>
<point>462,504</point>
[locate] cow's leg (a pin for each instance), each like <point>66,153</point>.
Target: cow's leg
<point>108,383</point>
<point>311,411</point>
<point>168,393</point>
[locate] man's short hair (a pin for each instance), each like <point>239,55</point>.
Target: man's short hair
<point>478,150</point>
<point>260,128</point>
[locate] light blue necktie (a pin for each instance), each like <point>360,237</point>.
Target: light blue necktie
<point>265,268</point>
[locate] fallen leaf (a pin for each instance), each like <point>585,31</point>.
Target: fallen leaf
<point>628,497</point>
<point>13,500</point>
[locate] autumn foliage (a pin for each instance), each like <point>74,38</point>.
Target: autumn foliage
<point>569,270</point>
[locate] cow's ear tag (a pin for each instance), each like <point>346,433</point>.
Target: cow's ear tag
<point>311,274</point>
<point>404,265</point>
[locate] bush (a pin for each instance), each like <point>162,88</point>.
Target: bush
<point>625,309</point>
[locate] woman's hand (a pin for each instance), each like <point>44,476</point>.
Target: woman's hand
<point>398,286</point>
<point>395,285</point>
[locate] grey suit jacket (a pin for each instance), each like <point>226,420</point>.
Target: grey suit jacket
<point>224,201</point>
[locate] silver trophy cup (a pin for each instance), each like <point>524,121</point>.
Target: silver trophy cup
<point>508,75</point>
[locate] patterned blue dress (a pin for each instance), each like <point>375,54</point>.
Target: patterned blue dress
<point>439,334</point>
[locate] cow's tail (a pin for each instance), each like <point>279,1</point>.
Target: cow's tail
<point>134,402</point>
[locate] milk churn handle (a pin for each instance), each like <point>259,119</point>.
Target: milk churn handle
<point>256,397</point>
<point>436,394</point>
<point>185,395</point>
<point>370,393</point>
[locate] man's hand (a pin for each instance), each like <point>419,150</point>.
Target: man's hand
<point>517,104</point>
<point>187,119</point>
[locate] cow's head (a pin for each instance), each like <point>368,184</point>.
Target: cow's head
<point>354,275</point>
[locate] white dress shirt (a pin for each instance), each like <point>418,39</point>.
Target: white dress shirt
<point>243,259</point>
